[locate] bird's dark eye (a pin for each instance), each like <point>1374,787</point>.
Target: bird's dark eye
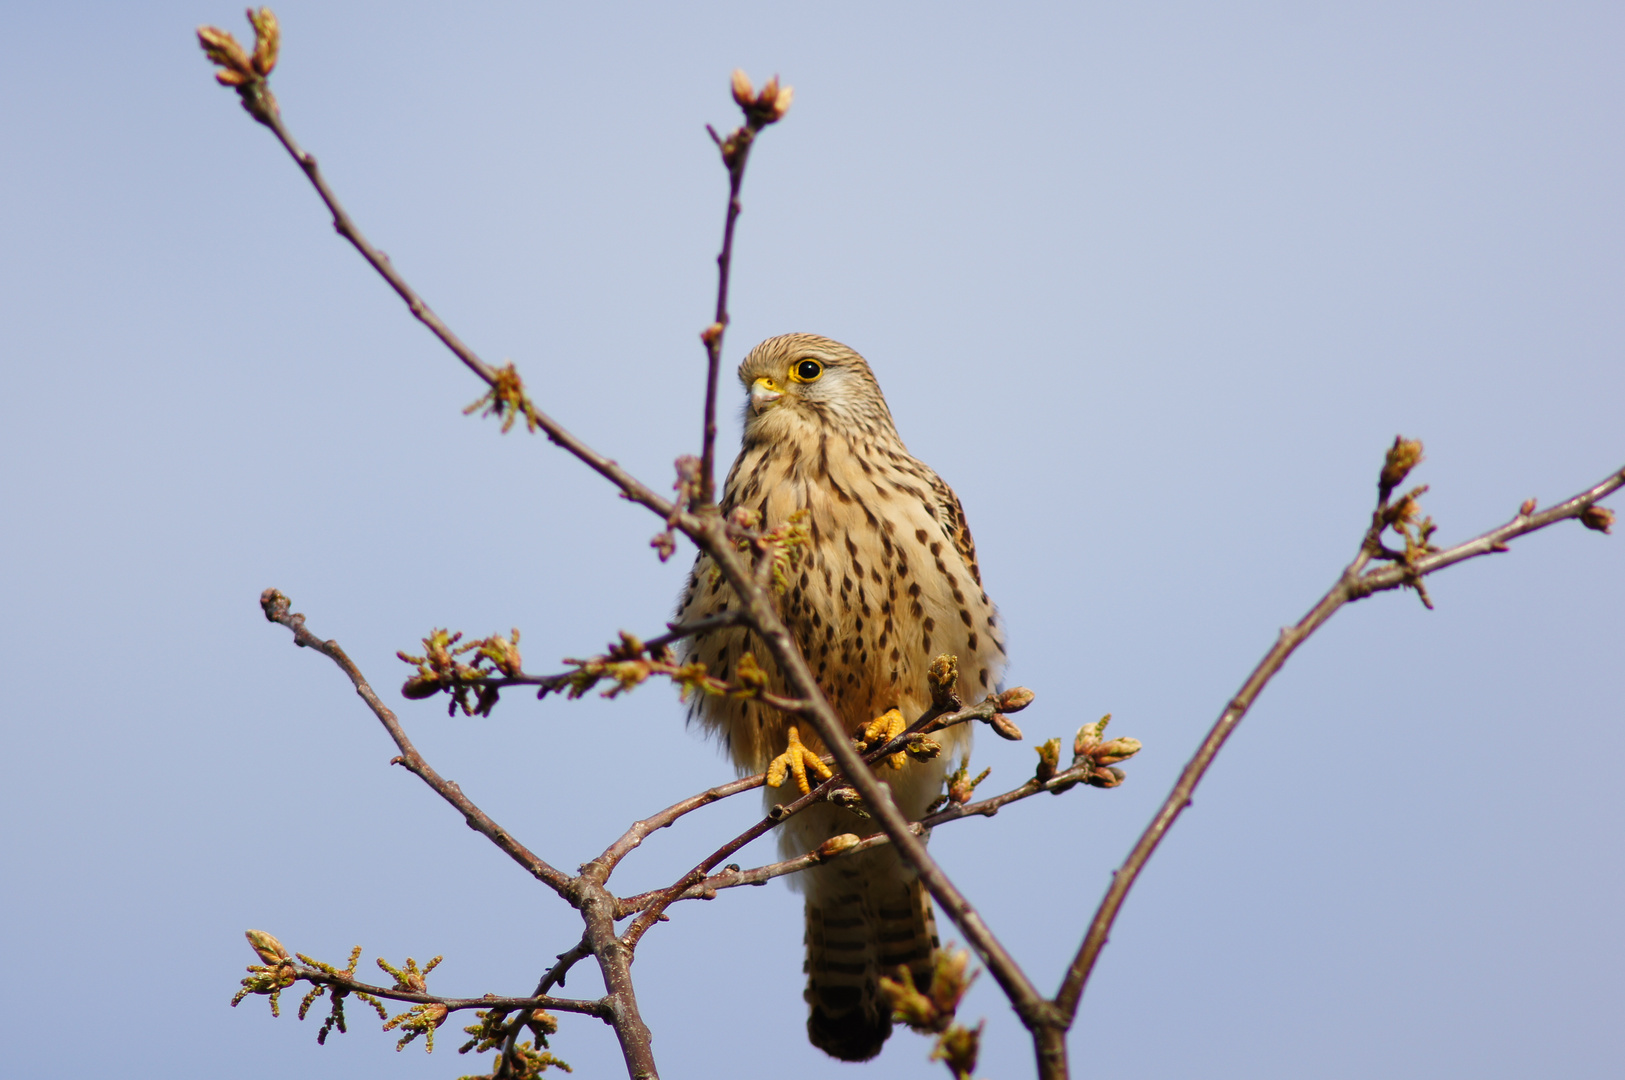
<point>806,371</point>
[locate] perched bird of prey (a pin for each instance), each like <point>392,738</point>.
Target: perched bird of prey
<point>887,581</point>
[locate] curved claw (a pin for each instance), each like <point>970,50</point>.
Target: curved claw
<point>795,761</point>
<point>884,728</point>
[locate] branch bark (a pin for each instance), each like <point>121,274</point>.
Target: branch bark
<point>1355,583</point>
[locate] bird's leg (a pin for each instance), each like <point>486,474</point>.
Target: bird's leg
<point>884,728</point>
<point>795,761</point>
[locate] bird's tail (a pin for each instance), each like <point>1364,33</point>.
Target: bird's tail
<point>867,915</point>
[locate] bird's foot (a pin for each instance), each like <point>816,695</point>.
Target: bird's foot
<point>795,761</point>
<point>884,728</point>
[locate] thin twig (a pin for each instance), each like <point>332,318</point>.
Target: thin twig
<point>633,489</point>
<point>735,153</point>
<point>1354,584</point>
<point>708,888</point>
<point>599,1007</point>
<point>278,609</point>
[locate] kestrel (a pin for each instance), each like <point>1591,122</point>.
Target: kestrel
<point>887,582</point>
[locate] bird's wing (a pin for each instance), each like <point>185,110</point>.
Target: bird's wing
<point>952,516</point>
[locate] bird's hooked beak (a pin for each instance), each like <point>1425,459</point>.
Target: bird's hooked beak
<point>763,393</point>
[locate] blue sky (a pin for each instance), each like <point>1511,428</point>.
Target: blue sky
<point>1153,288</point>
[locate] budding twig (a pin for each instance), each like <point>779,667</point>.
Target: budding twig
<point>1356,582</point>
<point>761,109</point>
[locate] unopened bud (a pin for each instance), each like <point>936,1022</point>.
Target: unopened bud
<point>1003,728</point>
<point>1116,750</point>
<point>1049,754</point>
<point>942,676</point>
<point>958,1048</point>
<point>1527,508</point>
<point>744,93</point>
<point>267,39</point>
<point>269,948</point>
<point>847,799</point>
<point>921,748</point>
<point>1597,517</point>
<point>713,333</point>
<point>950,978</point>
<point>1015,699</point>
<point>1402,457</point>
<point>837,844</point>
<point>224,52</point>
<point>781,103</point>
<point>1108,777</point>
<point>908,1005</point>
<point>419,687</point>
<point>1088,736</point>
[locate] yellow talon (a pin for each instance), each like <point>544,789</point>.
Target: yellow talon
<point>795,761</point>
<point>884,728</point>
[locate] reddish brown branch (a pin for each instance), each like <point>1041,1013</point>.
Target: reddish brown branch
<point>278,609</point>
<point>1355,583</point>
<point>761,109</point>
<point>711,885</point>
<point>652,905</point>
<point>268,114</point>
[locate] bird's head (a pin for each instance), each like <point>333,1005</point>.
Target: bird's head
<point>804,379</point>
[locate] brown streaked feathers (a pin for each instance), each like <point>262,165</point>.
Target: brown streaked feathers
<point>888,582</point>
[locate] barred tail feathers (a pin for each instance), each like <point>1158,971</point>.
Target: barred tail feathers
<point>866,917</point>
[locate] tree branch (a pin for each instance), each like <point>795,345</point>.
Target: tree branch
<point>760,110</point>
<point>1355,583</point>
<point>277,608</point>
<point>710,886</point>
<point>262,106</point>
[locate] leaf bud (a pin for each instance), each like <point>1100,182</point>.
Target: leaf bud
<point>921,748</point>
<point>1049,754</point>
<point>269,948</point>
<point>950,978</point>
<point>267,39</point>
<point>1088,736</point>
<point>224,52</point>
<point>744,93</point>
<point>958,1048</point>
<point>1117,750</point>
<point>1402,457</point>
<point>942,676</point>
<point>1015,699</point>
<point>1599,518</point>
<point>1108,777</point>
<point>837,844</point>
<point>908,1005</point>
<point>1003,728</point>
<point>781,103</point>
<point>419,687</point>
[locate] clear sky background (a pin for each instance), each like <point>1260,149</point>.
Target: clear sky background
<point>1152,286</point>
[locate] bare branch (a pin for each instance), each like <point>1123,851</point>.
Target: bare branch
<point>708,888</point>
<point>1354,583</point>
<point>278,609</point>
<point>761,109</point>
<point>258,100</point>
